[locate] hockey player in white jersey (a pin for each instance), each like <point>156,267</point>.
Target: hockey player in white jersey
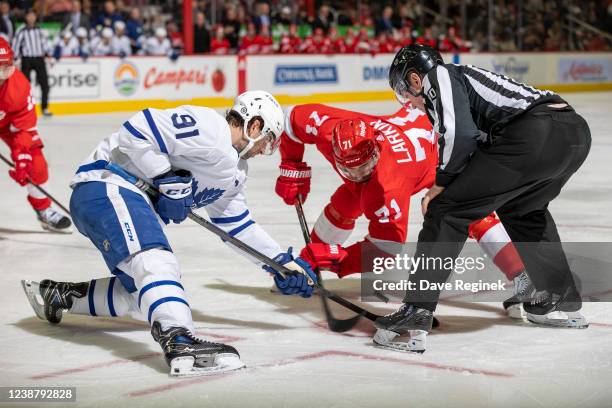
<point>197,159</point>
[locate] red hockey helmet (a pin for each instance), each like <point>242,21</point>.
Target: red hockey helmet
<point>6,59</point>
<point>355,149</point>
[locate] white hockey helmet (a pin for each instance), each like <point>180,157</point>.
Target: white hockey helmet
<point>81,32</point>
<point>160,32</point>
<point>107,33</point>
<point>261,104</point>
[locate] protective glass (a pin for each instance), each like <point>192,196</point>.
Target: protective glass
<point>360,173</point>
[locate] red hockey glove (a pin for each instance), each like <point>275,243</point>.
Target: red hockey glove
<point>21,173</point>
<point>294,180</point>
<point>324,256</point>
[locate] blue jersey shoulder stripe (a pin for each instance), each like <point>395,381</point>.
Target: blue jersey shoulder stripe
<point>97,165</point>
<point>128,126</point>
<point>229,220</point>
<point>155,130</point>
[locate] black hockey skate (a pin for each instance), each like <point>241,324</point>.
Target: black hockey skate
<point>523,291</point>
<point>408,319</point>
<point>189,356</point>
<point>56,297</point>
<point>53,221</point>
<point>551,309</point>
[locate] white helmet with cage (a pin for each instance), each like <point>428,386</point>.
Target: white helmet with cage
<point>252,104</point>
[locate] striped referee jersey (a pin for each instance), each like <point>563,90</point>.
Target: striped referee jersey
<point>466,104</point>
<point>30,42</point>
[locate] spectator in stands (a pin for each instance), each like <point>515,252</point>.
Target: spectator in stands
<point>101,45</point>
<point>324,19</point>
<point>84,49</point>
<point>290,41</point>
<point>347,44</point>
<point>363,42</point>
<point>334,39</point>
<point>505,43</point>
<point>121,45</point>
<point>427,38</point>
<point>201,34</point>
<point>262,16</point>
<point>159,44</point>
<point>386,23</point>
<point>347,17</point>
<point>251,42</point>
<point>56,8</point>
<point>267,44</point>
<point>108,17</point>
<point>317,43</point>
<point>285,16</point>
<point>7,24</point>
<point>66,45</point>
<point>383,44</point>
<point>133,27</point>
<point>231,25</point>
<point>405,37</point>
<point>175,37</point>
<point>220,45</point>
<point>76,18</point>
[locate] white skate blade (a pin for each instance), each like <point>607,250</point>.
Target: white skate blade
<point>572,320</point>
<point>49,228</point>
<point>32,290</point>
<point>516,311</point>
<point>417,342</point>
<point>183,366</point>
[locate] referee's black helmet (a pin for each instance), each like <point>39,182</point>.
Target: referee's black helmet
<point>412,58</point>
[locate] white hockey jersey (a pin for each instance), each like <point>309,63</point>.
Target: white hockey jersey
<point>193,138</point>
<point>121,45</point>
<point>153,46</point>
<point>101,48</point>
<point>67,49</point>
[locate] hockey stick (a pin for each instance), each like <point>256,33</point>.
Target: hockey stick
<point>335,325</point>
<point>39,188</point>
<point>282,270</point>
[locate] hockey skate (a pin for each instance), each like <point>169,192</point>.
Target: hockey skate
<point>409,320</point>
<point>53,221</point>
<point>56,297</point>
<point>523,291</point>
<point>189,356</point>
<point>550,309</point>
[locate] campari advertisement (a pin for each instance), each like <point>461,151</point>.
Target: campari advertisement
<point>144,78</point>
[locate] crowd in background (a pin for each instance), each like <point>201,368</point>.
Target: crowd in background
<point>280,26</point>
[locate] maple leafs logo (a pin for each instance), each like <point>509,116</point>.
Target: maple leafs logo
<point>206,196</point>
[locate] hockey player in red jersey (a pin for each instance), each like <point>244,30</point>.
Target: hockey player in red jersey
<point>18,131</point>
<point>383,161</point>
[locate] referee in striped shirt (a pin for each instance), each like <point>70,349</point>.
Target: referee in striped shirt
<point>503,146</point>
<point>31,45</point>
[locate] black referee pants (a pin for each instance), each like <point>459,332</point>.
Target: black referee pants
<point>38,65</point>
<point>524,168</point>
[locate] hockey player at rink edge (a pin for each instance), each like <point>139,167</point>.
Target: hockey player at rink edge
<point>18,130</point>
<point>382,160</point>
<point>196,158</point>
<point>504,146</point>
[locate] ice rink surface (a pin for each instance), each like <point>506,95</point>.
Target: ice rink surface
<point>478,358</point>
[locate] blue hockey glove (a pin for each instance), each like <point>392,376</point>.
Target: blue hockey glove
<point>176,196</point>
<point>300,282</point>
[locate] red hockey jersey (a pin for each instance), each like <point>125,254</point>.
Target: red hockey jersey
<point>408,156</point>
<point>17,113</point>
